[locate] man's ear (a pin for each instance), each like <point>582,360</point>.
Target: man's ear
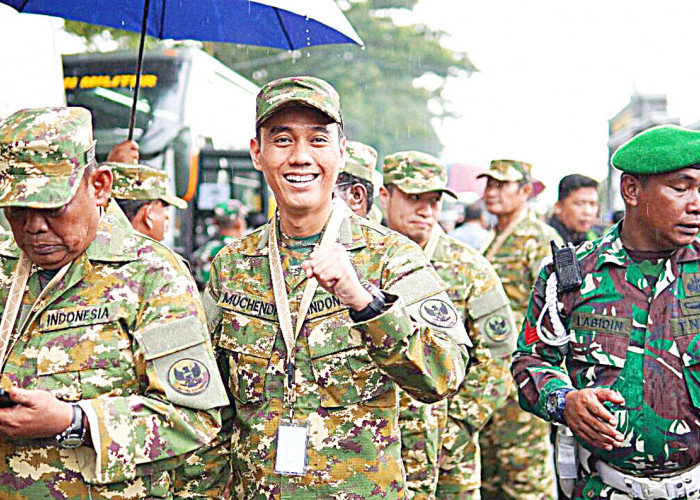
<point>358,197</point>
<point>255,154</point>
<point>557,208</point>
<point>101,181</point>
<point>384,196</point>
<point>526,190</point>
<point>630,187</point>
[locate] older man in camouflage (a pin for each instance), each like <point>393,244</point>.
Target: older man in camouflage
<point>516,450</point>
<point>440,441</point>
<point>107,361</point>
<point>314,370</point>
<point>628,333</point>
<point>354,182</point>
<point>143,194</point>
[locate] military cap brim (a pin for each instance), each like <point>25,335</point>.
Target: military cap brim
<point>407,188</point>
<point>40,190</point>
<point>500,176</point>
<point>659,150</point>
<point>174,201</point>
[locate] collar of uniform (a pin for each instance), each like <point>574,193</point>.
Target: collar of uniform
<point>116,241</point>
<point>612,251</point>
<point>8,247</point>
<point>350,235</point>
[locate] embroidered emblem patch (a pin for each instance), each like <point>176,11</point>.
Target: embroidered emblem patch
<point>497,328</point>
<point>439,313</point>
<point>531,335</point>
<point>691,282</point>
<point>188,376</point>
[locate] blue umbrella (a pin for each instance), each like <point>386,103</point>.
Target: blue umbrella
<point>283,24</point>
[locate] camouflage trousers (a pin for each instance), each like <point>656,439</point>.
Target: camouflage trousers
<point>516,456</point>
<point>421,426</point>
<point>460,463</point>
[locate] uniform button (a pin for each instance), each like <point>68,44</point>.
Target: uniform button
<point>590,493</point>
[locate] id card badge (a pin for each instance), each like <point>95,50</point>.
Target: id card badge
<point>292,438</point>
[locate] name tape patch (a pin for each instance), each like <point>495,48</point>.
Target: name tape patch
<point>77,316</point>
<point>601,323</point>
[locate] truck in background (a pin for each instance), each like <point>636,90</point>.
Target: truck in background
<point>188,102</point>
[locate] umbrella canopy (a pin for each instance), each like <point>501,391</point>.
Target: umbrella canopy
<point>283,24</point>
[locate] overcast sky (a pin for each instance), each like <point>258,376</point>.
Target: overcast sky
<point>552,73</point>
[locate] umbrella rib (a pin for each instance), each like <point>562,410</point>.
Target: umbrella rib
<point>284,30</point>
<point>162,19</point>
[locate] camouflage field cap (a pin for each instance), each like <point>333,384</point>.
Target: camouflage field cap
<point>361,160</point>
<point>230,209</point>
<point>297,91</point>
<point>508,170</point>
<point>140,182</point>
<point>414,172</point>
<point>658,150</point>
<point>43,154</point>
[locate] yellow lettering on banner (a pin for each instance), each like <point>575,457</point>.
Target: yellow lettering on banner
<point>108,81</point>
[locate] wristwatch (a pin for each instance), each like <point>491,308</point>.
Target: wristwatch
<point>555,404</point>
<point>373,309</point>
<point>74,435</point>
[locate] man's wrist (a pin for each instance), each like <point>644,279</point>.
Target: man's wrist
<point>364,299</point>
<point>556,404</point>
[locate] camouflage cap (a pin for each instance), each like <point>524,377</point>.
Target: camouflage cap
<point>508,170</point>
<point>140,182</point>
<point>300,91</point>
<point>43,154</point>
<point>414,172</point>
<point>230,209</point>
<point>360,161</point>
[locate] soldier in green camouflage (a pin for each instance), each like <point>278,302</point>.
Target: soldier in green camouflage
<point>628,333</point>
<point>354,184</point>
<point>229,217</point>
<point>442,454</point>
<point>515,446</point>
<point>314,370</point>
<point>105,348</point>
<point>144,196</point>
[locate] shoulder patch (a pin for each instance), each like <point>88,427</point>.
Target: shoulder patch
<point>691,284</point>
<point>188,376</point>
<point>497,328</point>
<point>439,313</point>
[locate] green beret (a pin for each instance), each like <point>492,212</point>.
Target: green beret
<point>658,150</point>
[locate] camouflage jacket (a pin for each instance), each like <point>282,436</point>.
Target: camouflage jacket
<point>517,260</point>
<point>123,334</point>
<point>478,294</point>
<point>204,256</point>
<point>346,373</point>
<point>634,336</point>
<point>483,306</point>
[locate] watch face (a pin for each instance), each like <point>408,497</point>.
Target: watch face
<point>551,403</point>
<point>71,442</point>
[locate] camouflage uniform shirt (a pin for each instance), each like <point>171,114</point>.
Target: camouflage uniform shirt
<point>478,294</point>
<point>345,373</point>
<point>120,333</point>
<point>634,327</point>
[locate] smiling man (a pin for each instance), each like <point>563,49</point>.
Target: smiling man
<point>318,316</point>
<point>630,390</point>
<point>105,350</point>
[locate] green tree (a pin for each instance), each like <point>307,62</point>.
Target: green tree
<point>383,105</point>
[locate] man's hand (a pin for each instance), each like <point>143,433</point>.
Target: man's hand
<point>590,420</point>
<point>37,414</point>
<point>124,152</point>
<point>335,273</point>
